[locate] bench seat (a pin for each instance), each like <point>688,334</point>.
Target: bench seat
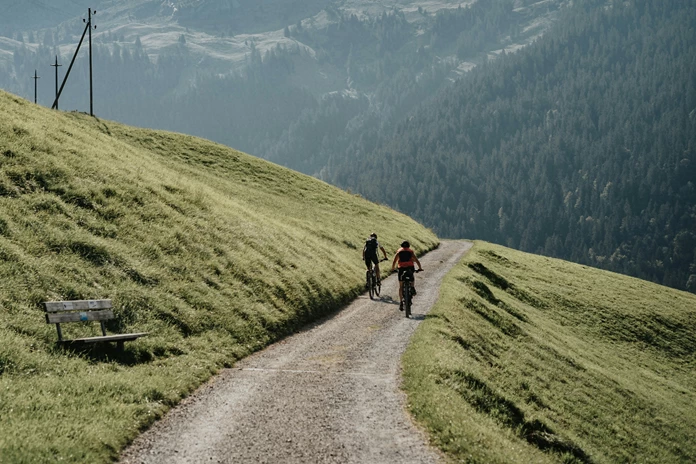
<point>107,338</point>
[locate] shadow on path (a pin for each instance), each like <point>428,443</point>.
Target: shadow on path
<point>388,300</point>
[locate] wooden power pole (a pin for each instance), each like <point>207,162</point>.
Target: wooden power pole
<point>56,66</point>
<point>36,79</point>
<point>88,27</point>
<point>91,97</point>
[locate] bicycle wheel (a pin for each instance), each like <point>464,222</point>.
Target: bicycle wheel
<point>371,284</point>
<point>378,287</point>
<point>407,298</point>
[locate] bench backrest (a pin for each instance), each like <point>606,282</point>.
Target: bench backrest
<point>76,311</point>
<point>58,312</point>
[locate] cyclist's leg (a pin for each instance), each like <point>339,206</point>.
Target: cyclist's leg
<point>413,281</point>
<point>401,295</point>
<point>375,260</point>
<point>401,288</point>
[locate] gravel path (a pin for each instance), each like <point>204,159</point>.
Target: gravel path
<point>329,394</point>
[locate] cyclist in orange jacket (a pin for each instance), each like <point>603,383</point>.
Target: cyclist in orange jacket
<point>405,257</point>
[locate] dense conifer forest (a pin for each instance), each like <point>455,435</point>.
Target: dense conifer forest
<point>582,146</point>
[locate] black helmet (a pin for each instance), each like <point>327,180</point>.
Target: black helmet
<point>405,244</point>
<point>373,235</point>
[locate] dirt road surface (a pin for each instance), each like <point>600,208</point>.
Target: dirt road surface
<point>328,394</point>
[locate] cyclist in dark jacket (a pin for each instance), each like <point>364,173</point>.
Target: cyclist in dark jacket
<point>405,257</point>
<point>370,253</point>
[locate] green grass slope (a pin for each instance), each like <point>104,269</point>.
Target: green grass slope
<point>212,251</point>
<point>533,359</point>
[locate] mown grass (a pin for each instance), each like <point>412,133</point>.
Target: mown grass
<point>214,252</point>
<point>533,359</point>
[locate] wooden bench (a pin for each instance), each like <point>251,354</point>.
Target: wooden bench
<point>59,312</point>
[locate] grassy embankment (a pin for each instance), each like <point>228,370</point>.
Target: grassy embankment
<point>533,359</point>
<point>212,251</point>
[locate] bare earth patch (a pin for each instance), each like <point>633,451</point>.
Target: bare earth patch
<point>327,394</point>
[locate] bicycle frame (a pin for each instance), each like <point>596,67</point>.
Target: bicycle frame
<point>408,279</point>
<point>406,294</point>
<point>372,283</point>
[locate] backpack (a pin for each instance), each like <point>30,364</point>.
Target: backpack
<point>371,246</point>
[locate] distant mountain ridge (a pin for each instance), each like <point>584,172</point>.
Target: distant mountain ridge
<point>245,16</point>
<point>219,35</point>
<point>27,15</point>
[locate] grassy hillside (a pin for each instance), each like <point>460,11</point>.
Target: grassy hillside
<point>533,359</point>
<point>212,251</point>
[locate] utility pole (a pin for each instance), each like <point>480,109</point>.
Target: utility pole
<point>65,79</point>
<point>89,25</point>
<point>36,78</point>
<point>56,66</point>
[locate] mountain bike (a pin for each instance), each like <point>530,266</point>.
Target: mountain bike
<point>408,290</point>
<point>373,284</point>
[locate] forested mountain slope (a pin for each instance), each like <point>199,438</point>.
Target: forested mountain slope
<point>582,146</point>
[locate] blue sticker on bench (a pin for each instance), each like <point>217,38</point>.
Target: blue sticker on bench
<point>83,317</point>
